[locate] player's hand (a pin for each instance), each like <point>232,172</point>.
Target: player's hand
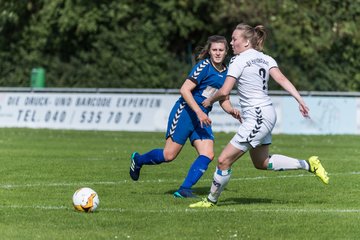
<point>206,103</point>
<point>304,110</point>
<point>236,114</point>
<point>204,119</point>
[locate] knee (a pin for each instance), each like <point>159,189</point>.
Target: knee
<point>223,164</point>
<point>169,155</point>
<point>209,155</point>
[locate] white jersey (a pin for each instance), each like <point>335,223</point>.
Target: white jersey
<point>251,70</point>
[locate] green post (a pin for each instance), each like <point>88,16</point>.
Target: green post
<point>38,77</point>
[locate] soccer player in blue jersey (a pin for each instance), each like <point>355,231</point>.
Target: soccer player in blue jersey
<point>189,119</point>
<point>250,69</point>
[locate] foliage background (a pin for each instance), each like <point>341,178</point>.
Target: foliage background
<point>151,44</point>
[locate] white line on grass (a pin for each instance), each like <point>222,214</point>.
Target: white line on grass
<point>30,185</point>
<point>188,210</point>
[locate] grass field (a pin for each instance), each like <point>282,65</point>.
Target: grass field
<point>41,169</point>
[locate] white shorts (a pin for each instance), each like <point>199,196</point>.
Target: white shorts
<point>255,129</point>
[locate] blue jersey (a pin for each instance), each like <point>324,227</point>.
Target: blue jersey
<point>207,79</point>
<point>183,122</point>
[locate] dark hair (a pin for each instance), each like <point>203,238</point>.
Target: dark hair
<point>204,52</point>
<point>256,35</point>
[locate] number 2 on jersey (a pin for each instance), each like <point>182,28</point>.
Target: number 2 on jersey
<point>262,73</point>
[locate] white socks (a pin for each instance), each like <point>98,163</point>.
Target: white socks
<point>221,178</point>
<point>280,162</point>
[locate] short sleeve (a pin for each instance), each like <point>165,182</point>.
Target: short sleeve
<point>236,67</point>
<point>272,63</point>
<point>199,71</point>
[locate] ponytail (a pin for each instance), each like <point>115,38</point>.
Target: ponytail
<point>255,35</point>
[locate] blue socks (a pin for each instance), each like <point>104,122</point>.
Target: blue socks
<point>155,156</point>
<point>196,171</point>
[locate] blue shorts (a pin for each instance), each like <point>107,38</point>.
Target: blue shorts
<point>183,124</point>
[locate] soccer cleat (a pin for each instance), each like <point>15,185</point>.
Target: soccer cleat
<point>134,167</point>
<point>184,193</point>
<point>318,169</point>
<point>205,203</point>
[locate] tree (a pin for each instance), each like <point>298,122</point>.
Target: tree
<point>150,44</point>
<point>316,43</point>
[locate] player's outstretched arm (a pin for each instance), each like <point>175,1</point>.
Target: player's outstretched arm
<point>280,78</point>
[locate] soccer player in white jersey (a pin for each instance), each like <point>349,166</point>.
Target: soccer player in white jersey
<point>250,69</point>
<point>189,119</point>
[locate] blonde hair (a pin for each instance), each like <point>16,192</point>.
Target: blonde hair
<point>204,52</point>
<point>256,35</point>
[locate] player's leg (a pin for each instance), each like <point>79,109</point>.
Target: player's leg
<point>177,133</point>
<point>202,139</point>
<point>238,145</point>
<point>154,157</point>
<point>160,155</point>
<point>262,160</point>
<point>205,149</point>
<point>221,175</point>
<point>223,171</point>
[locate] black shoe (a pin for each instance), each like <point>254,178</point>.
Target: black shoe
<point>134,167</point>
